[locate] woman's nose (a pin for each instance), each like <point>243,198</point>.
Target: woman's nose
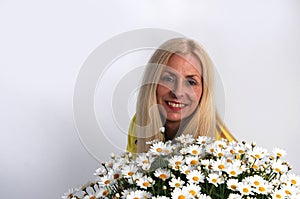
<point>178,89</point>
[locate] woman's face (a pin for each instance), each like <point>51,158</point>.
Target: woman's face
<point>180,87</point>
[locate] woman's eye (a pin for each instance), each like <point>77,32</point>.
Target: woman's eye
<point>168,78</point>
<point>192,82</point>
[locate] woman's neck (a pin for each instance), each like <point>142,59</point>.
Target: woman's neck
<point>171,129</point>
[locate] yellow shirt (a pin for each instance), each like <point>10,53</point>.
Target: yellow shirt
<point>221,132</point>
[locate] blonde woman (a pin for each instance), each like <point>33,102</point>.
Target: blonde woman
<point>177,94</point>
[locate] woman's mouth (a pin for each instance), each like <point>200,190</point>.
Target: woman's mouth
<point>177,106</point>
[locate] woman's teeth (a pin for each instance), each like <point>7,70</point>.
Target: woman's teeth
<point>175,105</point>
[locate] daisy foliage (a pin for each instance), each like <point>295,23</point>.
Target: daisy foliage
<point>194,168</point>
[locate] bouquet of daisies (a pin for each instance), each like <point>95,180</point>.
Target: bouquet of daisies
<point>201,168</point>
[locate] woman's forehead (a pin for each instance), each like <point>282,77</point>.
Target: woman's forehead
<point>187,65</point>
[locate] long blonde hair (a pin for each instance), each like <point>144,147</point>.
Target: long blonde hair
<point>148,120</point>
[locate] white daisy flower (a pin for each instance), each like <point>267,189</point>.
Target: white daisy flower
<point>244,188</point>
<point>258,152</point>
<point>129,170</point>
<point>145,182</point>
<point>195,176</point>
<point>279,167</point>
<point>185,169</point>
<point>220,164</point>
<point>176,183</point>
<point>235,196</point>
<point>278,194</point>
<point>144,160</point>
<point>138,194</point>
<point>203,196</point>
<point>192,160</point>
<point>194,149</point>
<point>158,148</point>
<point>102,192</point>
<point>279,152</point>
<point>233,171</point>
<point>222,144</point>
<point>176,161</point>
<point>293,179</point>
<point>215,179</point>
<point>290,190</point>
<point>160,197</point>
<point>203,140</point>
<point>106,180</point>
<point>162,174</point>
<point>178,193</point>
<point>192,189</point>
<point>232,184</point>
<point>185,139</point>
<point>69,194</point>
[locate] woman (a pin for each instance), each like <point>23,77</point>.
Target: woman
<point>177,94</point>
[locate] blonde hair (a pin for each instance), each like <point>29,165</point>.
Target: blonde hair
<point>148,120</point>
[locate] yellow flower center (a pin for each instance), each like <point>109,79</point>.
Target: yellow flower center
<point>192,192</point>
<point>214,180</point>
<point>195,178</point>
<point>278,196</point>
<point>256,183</point>
<point>93,197</point>
<point>288,192</point>
<point>221,166</point>
<point>116,176</point>
<point>233,173</point>
<point>261,189</point>
<point>233,186</point>
<point>163,176</point>
<point>177,184</point>
<point>106,181</point>
<point>159,150</point>
<point>245,190</point>
<point>181,197</point>
<point>130,173</point>
<point>146,184</point>
<point>195,152</point>
<point>293,182</point>
<point>194,162</point>
<point>177,163</point>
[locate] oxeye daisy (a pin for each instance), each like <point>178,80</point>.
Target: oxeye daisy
<point>290,190</point>
<point>194,149</point>
<point>158,148</point>
<point>279,152</point>
<point>220,164</point>
<point>203,196</point>
<point>256,181</point>
<point>185,139</point>
<point>162,174</point>
<point>278,166</point>
<point>232,184</point>
<point>203,140</point>
<point>195,176</point>
<point>105,180</point>
<point>235,196</point>
<point>222,144</point>
<point>258,153</point>
<point>102,192</point>
<point>138,194</point>
<point>215,179</point>
<point>176,183</point>
<point>176,161</point>
<point>233,171</point>
<point>192,160</point>
<point>244,188</point>
<point>178,193</point>
<point>192,189</point>
<point>145,182</point>
<point>185,169</point>
<point>293,179</point>
<point>278,194</point>
<point>129,170</point>
<point>144,161</point>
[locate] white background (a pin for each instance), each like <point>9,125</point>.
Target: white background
<point>254,44</point>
